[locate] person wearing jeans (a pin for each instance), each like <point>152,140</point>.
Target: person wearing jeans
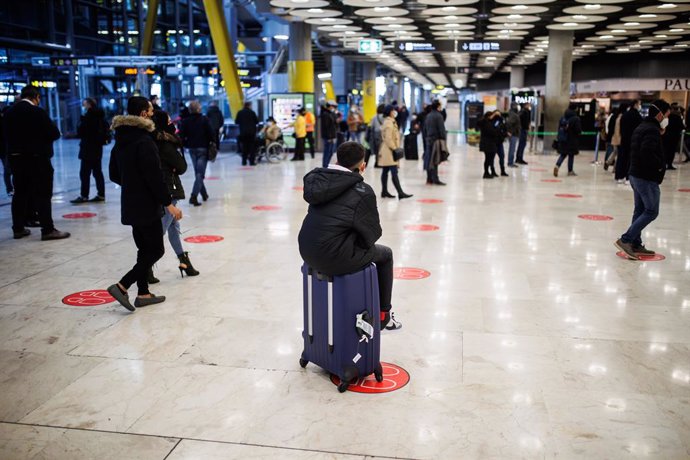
<point>514,127</point>
<point>525,115</point>
<point>647,169</point>
<point>94,133</point>
<point>199,158</point>
<point>197,134</point>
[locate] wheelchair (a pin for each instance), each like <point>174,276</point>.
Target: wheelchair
<point>274,152</point>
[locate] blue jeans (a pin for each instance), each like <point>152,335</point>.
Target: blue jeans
<point>199,160</point>
<point>512,145</point>
<point>609,151</point>
<point>521,146</point>
<point>172,227</point>
<point>647,198</point>
<point>571,160</point>
<point>328,150</point>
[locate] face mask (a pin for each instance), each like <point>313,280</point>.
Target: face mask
<point>664,123</point>
<point>394,114</point>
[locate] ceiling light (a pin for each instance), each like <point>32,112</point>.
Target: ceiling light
<point>315,10</point>
<point>605,37</point>
<point>520,7</point>
<point>662,36</point>
<point>449,8</point>
<point>328,19</point>
<point>349,32</point>
<point>580,17</point>
<point>300,1</point>
<point>281,37</point>
<point>490,58</point>
<point>393,26</point>
<point>571,24</point>
<point>667,6</point>
<point>631,24</point>
<point>681,45</point>
<point>388,18</point>
<point>339,26</point>
<point>623,49</point>
<point>514,16</point>
<point>618,31</point>
<point>648,15</point>
<point>381,9</point>
<point>645,41</point>
<point>450,18</point>
<point>594,6</point>
<point>324,76</point>
<point>677,30</point>
<point>510,24</point>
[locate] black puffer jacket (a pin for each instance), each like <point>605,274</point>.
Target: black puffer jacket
<point>196,132</point>
<point>647,152</point>
<point>629,122</point>
<point>571,145</point>
<point>94,133</point>
<point>173,162</point>
<point>489,136</point>
<point>342,224</point>
<point>134,164</point>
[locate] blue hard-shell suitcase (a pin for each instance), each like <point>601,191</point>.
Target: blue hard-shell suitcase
<point>333,337</point>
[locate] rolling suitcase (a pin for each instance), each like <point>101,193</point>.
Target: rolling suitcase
<point>411,152</point>
<point>342,324</point>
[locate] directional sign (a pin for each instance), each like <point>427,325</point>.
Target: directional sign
<point>71,61</point>
<point>370,46</point>
<point>488,46</point>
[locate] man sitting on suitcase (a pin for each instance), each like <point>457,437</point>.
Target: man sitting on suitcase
<point>342,225</point>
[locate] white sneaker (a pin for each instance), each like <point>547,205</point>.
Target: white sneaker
<point>626,182</point>
<point>393,324</point>
<point>620,181</point>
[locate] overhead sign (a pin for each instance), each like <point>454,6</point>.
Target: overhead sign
<point>71,61</point>
<point>42,61</point>
<point>483,46</point>
<point>458,46</point>
<point>253,72</point>
<point>135,71</point>
<point>370,45</point>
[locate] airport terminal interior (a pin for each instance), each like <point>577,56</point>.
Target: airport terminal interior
<point>526,328</point>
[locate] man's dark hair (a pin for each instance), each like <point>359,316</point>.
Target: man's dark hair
<point>91,102</point>
<point>381,108</point>
<point>247,105</point>
<point>350,154</point>
<point>657,106</point>
<point>572,107</point>
<point>137,104</point>
<point>160,119</point>
<point>436,104</point>
<point>154,97</point>
<point>30,92</point>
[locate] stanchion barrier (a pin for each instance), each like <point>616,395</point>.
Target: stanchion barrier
<point>596,149</point>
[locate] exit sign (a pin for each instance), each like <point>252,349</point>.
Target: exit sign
<point>370,45</point>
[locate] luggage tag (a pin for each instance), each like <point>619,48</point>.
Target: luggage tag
<point>365,331</point>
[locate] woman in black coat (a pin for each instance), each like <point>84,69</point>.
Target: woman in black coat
<point>489,136</point>
<point>569,130</point>
<point>173,165</point>
<point>94,133</point>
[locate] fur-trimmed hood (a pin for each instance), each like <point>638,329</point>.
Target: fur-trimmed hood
<point>163,136</point>
<point>134,121</point>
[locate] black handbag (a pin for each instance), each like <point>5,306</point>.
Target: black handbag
<point>398,154</point>
<point>212,152</point>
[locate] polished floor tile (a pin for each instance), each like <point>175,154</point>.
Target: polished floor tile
<point>529,338</point>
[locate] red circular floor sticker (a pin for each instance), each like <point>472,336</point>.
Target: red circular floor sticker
<point>537,169</point>
<point>80,215</point>
<point>394,378</point>
<point>568,195</point>
<point>430,201</point>
<point>299,188</point>
<point>213,178</point>
<point>594,217</point>
<point>686,190</point>
<point>422,228</point>
<point>265,208</point>
<point>204,239</point>
<point>92,298</point>
<point>410,273</point>
<point>551,180</point>
<point>246,168</point>
<point>652,258</point>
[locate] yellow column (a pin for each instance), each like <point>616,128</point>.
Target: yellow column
<point>329,90</point>
<point>369,91</point>
<point>225,52</point>
<point>301,76</point>
<point>149,28</point>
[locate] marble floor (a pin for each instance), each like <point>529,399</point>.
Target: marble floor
<point>530,338</point>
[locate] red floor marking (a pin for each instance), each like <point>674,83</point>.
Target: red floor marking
<point>654,258</point>
<point>429,201</point>
<point>266,208</point>
<point>551,180</point>
<point>537,169</point>
<point>213,178</point>
<point>204,239</point>
<point>422,228</point>
<point>685,190</point>
<point>394,378</point>
<point>298,188</point>
<point>93,298</point>
<point>594,217</point>
<point>410,273</point>
<point>80,215</point>
<point>246,168</point>
<point>568,195</point>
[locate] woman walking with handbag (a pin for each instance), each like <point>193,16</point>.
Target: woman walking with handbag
<point>173,165</point>
<point>390,153</point>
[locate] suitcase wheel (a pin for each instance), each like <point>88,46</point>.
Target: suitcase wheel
<point>378,373</point>
<point>342,387</point>
<point>303,362</point>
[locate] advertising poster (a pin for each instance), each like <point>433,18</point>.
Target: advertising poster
<point>283,108</point>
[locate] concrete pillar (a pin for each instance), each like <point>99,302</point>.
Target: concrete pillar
<point>369,91</point>
<point>300,64</point>
<point>401,92</point>
<point>517,77</point>
<point>559,72</point>
<point>339,74</point>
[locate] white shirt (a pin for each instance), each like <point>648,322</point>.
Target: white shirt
<point>338,168</point>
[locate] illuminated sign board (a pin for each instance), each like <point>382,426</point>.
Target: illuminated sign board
<point>135,71</point>
<point>457,46</point>
<point>370,46</point>
<point>71,61</point>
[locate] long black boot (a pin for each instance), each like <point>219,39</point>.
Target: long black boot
<point>186,265</point>
<point>151,278</point>
<point>401,194</point>
<point>384,186</point>
<point>435,179</point>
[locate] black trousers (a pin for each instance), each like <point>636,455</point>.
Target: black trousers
<point>7,173</point>
<point>33,188</point>
<point>383,259</point>
<point>489,162</point>
<point>91,165</point>
<point>310,138</point>
<point>300,147</point>
<point>149,241</point>
<point>248,144</point>
<point>622,162</point>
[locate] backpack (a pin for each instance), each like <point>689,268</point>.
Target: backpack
<point>563,128</point>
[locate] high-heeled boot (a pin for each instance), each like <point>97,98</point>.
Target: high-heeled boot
<point>384,187</point>
<point>152,279</point>
<point>186,265</point>
<point>398,187</point>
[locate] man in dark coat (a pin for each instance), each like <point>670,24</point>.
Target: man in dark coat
<point>30,136</point>
<point>247,120</point>
<point>94,132</point>
<point>672,134</point>
<point>435,130</point>
<point>569,130</point>
<point>216,118</point>
<point>6,171</point>
<point>196,134</point>
<point>629,122</point>
<point>342,225</point>
<point>329,132</point>
<point>135,166</point>
<point>647,169</point>
<point>514,127</point>
<point>525,115</point>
